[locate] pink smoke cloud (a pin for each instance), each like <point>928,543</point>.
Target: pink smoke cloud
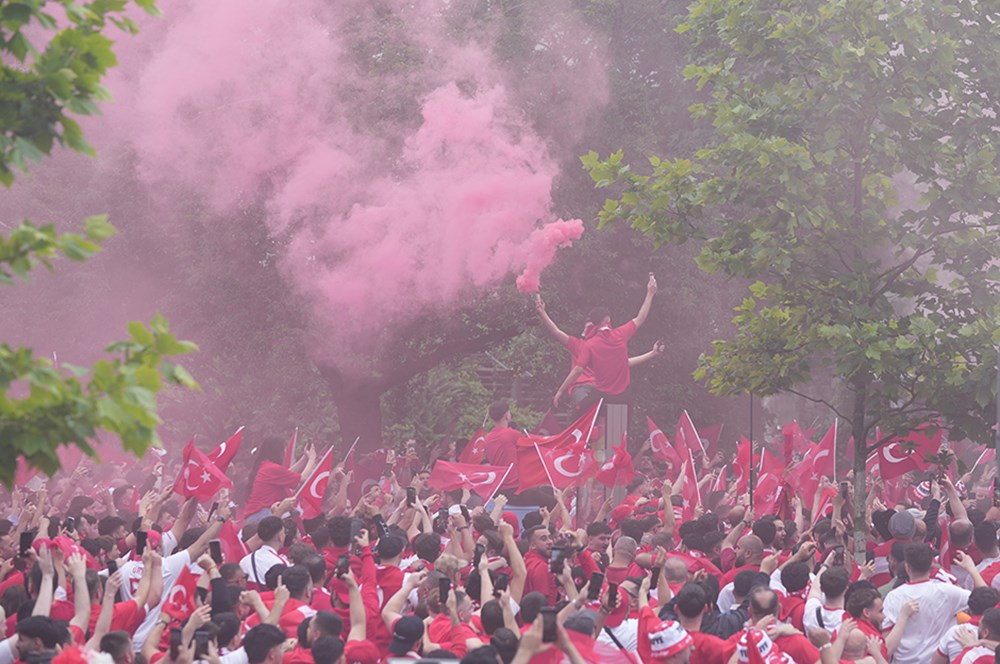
<point>541,250</point>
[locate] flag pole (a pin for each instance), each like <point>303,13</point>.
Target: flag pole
<point>752,484</point>
<point>593,421</point>
<point>544,467</point>
<point>496,489</point>
<point>351,449</point>
<point>322,460</point>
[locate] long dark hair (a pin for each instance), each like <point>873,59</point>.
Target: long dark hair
<point>272,449</point>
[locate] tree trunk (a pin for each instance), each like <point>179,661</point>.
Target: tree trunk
<point>860,460</point>
<point>359,408</point>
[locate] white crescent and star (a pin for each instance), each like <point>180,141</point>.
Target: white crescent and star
<point>558,463</point>
<point>491,477</point>
<point>314,485</point>
<point>890,457</point>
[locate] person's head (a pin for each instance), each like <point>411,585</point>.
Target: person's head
<point>918,559</point>
<point>273,575</point>
<point>691,601</point>
<point>855,646</point>
<point>989,625</point>
<point>795,576</point>
<point>390,549</point>
<point>481,655</point>
<point>327,650</point>
<point>582,622</point>
<point>531,606</point>
<point>233,575</point>
<point>406,635</point>
<point>118,645</point>
<point>539,539</point>
<point>765,530</point>
<point>112,526</point>
<point>780,533</point>
<point>229,630</point>
<point>427,546</point>
<point>675,570</point>
<point>505,642</point>
<point>749,550</point>
<point>500,412</point>
<point>491,615</point>
<point>865,604</point>
<point>960,532</point>
<point>986,538</point>
<point>742,583</point>
<point>763,603</point>
<point>897,553</point>
<point>599,316</point>
<point>834,582</point>
<point>624,551</point>
<point>299,582</point>
<point>37,634</point>
<point>981,599</point>
<point>902,525</point>
<point>324,623</point>
<point>598,536</point>
<point>271,530</point>
<point>262,643</point>
<point>339,528</point>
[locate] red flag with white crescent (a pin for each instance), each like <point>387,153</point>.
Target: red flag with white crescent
<point>687,436</point>
<point>661,447</point>
<point>475,451</point>
<point>690,492</point>
<point>222,455</point>
<point>619,469</point>
<point>180,600</point>
<point>530,468</point>
<point>569,466</point>
<point>233,548</point>
<point>481,479</point>
<point>901,455</point>
<point>311,493</point>
<point>199,477</point>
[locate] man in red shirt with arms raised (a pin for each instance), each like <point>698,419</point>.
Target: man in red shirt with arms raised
<point>605,352</point>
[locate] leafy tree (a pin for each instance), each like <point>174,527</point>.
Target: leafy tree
<point>41,406</point>
<point>851,176</point>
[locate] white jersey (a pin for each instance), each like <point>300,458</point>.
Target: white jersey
<point>939,603</point>
<point>172,566</point>
<point>832,618</point>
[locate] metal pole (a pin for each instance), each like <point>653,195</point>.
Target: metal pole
<point>753,467</point>
<point>996,433</point>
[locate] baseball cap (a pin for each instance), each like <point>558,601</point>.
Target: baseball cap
<point>405,633</point>
<point>667,639</point>
<point>361,652</point>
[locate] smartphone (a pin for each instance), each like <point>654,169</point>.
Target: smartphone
<point>175,644</point>
<point>201,637</point>
<point>465,512</point>
<point>140,542</point>
<point>843,490</point>
<point>596,583</point>
<point>443,514</point>
<point>838,554</point>
<point>69,525</point>
<point>444,587</point>
<point>25,543</point>
<point>343,564</point>
<point>656,578</point>
<point>477,557</point>
<point>503,580</point>
<point>215,506</point>
<point>215,550</point>
<point>411,495</point>
<point>112,567</point>
<point>548,625</point>
<point>612,595</point>
<point>556,560</point>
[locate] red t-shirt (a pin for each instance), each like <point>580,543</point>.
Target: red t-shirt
<point>575,345</point>
<point>708,649</point>
<point>606,354</point>
<point>539,577</point>
<point>450,637</point>
<point>870,630</point>
<point>298,655</point>
<point>272,484</point>
<point>125,616</point>
<point>501,450</point>
<point>729,576</point>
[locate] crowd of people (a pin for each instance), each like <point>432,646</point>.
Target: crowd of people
<point>93,567</point>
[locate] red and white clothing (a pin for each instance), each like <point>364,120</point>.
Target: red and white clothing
<point>939,604</point>
<point>949,645</point>
<point>975,655</point>
<point>832,618</point>
<point>294,612</point>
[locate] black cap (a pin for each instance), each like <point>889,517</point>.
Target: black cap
<point>405,634</point>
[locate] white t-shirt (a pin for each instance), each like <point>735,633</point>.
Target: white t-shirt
<point>6,652</point>
<point>627,634</point>
<point>172,566</point>
<point>975,655</point>
<point>939,603</point>
<point>832,618</point>
<point>949,645</point>
<point>262,560</point>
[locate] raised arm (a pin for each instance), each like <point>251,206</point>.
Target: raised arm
<point>571,377</point>
<point>81,597</point>
<point>640,317</point>
<point>519,571</point>
<point>200,545</point>
<point>393,609</point>
<point>658,349</point>
<point>553,329</point>
<point>103,624</point>
<point>46,591</point>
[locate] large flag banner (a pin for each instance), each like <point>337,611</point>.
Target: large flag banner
<point>222,455</point>
<point>710,436</point>
<point>661,447</point>
<point>481,479</point>
<point>233,548</point>
<point>687,436</point>
<point>475,451</point>
<point>619,469</point>
<point>745,459</point>
<point>690,492</point>
<point>901,455</point>
<point>311,494</point>
<point>530,469</point>
<point>199,477</point>
<point>567,466</point>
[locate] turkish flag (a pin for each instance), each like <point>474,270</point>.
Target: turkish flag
<point>180,601</point>
<point>825,461</point>
<point>817,463</point>
<point>530,468</point>
<point>710,436</point>
<point>687,436</point>
<point>720,482</point>
<point>475,451</point>
<point>745,459</point>
<point>825,504</point>
<point>690,492</point>
<point>662,449</point>
<point>199,477</point>
<point>770,464</point>
<point>901,455</point>
<point>290,448</point>
<point>618,470</point>
<point>481,479</point>
<point>567,466</point>
<point>233,548</point>
<point>767,495</point>
<point>311,494</point>
<point>222,455</point>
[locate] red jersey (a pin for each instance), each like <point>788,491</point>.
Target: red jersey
<point>606,354</point>
<point>272,484</point>
<point>501,450</point>
<point>540,579</point>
